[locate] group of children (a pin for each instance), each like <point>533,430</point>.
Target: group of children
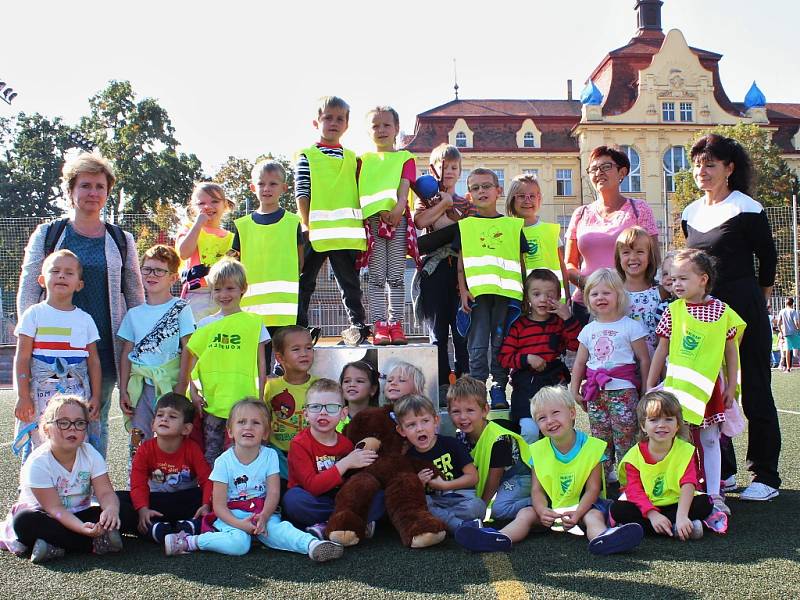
<point>209,473</point>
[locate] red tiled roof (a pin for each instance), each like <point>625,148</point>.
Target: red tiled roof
<point>506,108</point>
<point>783,110</point>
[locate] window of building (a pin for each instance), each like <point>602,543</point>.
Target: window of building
<point>528,140</point>
<point>461,140</point>
<point>687,113</point>
<point>674,161</point>
<point>533,172</point>
<point>667,111</point>
<point>461,184</point>
<point>563,182</point>
<point>633,182</point>
<point>501,177</point>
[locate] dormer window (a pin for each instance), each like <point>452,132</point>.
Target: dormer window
<point>461,140</point>
<point>528,140</point>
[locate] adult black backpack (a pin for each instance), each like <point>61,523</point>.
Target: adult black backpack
<point>56,228</point>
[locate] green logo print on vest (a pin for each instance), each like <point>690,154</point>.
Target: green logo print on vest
<point>491,238</point>
<point>533,247</point>
<point>225,341</point>
<point>566,480</point>
<point>691,341</point>
<point>658,486</point>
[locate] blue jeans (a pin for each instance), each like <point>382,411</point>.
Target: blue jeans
<point>280,535</point>
<point>304,509</point>
<point>485,336</point>
<point>98,430</point>
<point>456,507</point>
<point>513,495</point>
<point>529,430</point>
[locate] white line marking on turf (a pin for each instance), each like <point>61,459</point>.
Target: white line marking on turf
<point>791,412</point>
<point>114,418</point>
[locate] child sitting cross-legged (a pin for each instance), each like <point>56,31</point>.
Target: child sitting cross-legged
<point>170,489</point>
<point>245,497</point>
<point>319,456</point>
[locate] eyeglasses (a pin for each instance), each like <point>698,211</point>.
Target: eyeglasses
<point>481,186</point>
<point>154,271</point>
<point>529,197</point>
<point>64,424</point>
<point>604,167</point>
<point>331,409</point>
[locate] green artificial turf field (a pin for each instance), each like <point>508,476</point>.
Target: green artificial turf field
<point>758,558</point>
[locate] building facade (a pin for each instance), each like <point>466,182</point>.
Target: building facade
<point>649,97</point>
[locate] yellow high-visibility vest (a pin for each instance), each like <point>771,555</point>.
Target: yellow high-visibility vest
<point>379,179</point>
<point>491,253</point>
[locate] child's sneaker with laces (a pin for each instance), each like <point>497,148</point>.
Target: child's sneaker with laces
<point>719,504</point>
<point>42,552</point>
<point>397,335</point>
<point>324,550</point>
<point>178,543</point>
<point>473,536</point>
<point>317,530</point>
<point>159,530</point>
<point>381,334</point>
<point>717,522</point>
<point>190,526</point>
<point>110,541</point>
<point>617,539</point>
<point>728,485</point>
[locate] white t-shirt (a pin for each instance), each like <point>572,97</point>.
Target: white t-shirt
<point>42,470</point>
<point>245,482</point>
<point>609,346</point>
<point>264,337</point>
<point>55,332</point>
<point>140,320</point>
<point>788,319</point>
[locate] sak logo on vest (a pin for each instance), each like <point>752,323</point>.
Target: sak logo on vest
<point>566,480</point>
<point>225,341</point>
<point>690,343</point>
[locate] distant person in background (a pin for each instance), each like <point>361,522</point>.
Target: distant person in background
<point>732,227</point>
<point>789,325</point>
<point>111,277</point>
<point>593,229</point>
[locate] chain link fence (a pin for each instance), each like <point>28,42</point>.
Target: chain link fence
<point>326,309</point>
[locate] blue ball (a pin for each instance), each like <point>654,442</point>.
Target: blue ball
<point>426,187</point>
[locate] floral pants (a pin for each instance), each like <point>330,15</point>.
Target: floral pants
<point>612,418</point>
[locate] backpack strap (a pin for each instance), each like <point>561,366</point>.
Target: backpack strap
<point>634,209</point>
<point>54,231</point>
<point>118,235</point>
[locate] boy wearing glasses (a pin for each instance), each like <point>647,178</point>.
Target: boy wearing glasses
<point>319,456</point>
<point>154,335</point>
<point>56,351</point>
<point>491,257</point>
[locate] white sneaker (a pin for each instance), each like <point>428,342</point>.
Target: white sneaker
<point>729,484</point>
<point>759,492</point>
<point>719,504</point>
<point>324,550</point>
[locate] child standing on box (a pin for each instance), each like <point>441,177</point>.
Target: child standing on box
<point>170,489</point>
<point>492,248</point>
<point>700,335</point>
<point>286,395</point>
<point>56,351</point>
<point>384,179</point>
<point>245,496</point>
<point>226,356</point>
<point>636,257</point>
<point>154,336</point>
<point>327,201</point>
<point>201,244</point>
<point>261,239</point>
<point>610,347</point>
<point>438,298</point>
<point>535,344</point>
<point>319,457</point>
<point>545,246</point>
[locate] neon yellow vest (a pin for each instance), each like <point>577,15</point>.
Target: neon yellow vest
<point>269,253</point>
<point>661,481</point>
<point>227,361</point>
<point>379,179</point>
<point>696,353</point>
<point>564,482</point>
<point>334,220</point>
<point>543,250</point>
<point>490,248</point>
<point>210,248</point>
<point>482,452</point>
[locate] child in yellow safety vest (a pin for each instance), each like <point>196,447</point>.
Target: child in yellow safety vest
<point>201,244</point>
<point>700,334</point>
<point>659,476</point>
<point>261,240</point>
<point>384,179</point>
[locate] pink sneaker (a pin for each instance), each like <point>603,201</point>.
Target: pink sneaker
<point>397,335</point>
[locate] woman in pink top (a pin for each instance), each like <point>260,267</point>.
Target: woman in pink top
<point>593,228</point>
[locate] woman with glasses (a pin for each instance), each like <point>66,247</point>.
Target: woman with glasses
<point>593,229</point>
<point>111,277</point>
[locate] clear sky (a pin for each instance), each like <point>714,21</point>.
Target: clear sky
<point>239,79</point>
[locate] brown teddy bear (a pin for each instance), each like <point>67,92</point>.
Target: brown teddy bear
<point>396,474</point>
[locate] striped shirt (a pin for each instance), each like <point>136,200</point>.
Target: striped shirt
<point>58,333</point>
<point>546,339</point>
<point>302,170</point>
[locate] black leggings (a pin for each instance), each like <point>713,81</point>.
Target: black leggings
<point>627,512</point>
<point>31,525</point>
<point>175,506</point>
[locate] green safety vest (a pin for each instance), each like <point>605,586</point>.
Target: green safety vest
<point>490,248</point>
<point>543,250</point>
<point>482,452</point>
<point>696,353</point>
<point>564,482</point>
<point>334,219</point>
<point>661,481</point>
<point>210,248</point>
<point>379,179</point>
<point>269,254</point>
<point>227,361</point>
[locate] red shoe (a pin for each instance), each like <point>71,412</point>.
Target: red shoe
<point>381,335</point>
<point>397,335</point>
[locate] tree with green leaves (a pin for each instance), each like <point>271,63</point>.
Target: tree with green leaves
<point>234,177</point>
<point>138,136</point>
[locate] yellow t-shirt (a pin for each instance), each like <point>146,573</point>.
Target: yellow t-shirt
<point>287,402</point>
